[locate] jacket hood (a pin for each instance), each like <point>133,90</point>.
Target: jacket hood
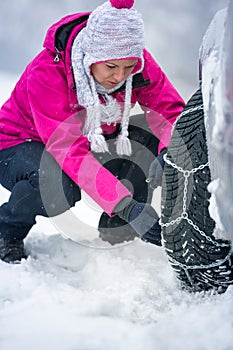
<point>58,34</point>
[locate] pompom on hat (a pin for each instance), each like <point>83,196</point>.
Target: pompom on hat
<point>114,30</point>
<point>119,4</point>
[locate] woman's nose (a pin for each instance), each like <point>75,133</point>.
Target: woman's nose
<point>119,75</point>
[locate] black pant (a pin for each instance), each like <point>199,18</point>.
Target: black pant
<point>38,186</point>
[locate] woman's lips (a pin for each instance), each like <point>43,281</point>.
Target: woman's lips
<point>112,83</point>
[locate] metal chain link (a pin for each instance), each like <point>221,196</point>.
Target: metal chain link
<point>184,214</point>
<point>201,266</point>
<point>192,109</point>
<point>187,111</point>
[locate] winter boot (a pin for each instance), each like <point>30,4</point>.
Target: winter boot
<point>12,250</point>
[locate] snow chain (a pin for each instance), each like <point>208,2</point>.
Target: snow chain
<point>184,216</point>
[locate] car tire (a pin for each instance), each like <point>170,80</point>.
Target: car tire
<point>200,260</point>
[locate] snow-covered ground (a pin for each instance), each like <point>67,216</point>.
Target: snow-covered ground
<point>84,295</point>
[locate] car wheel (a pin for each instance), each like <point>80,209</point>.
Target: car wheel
<point>200,261</point>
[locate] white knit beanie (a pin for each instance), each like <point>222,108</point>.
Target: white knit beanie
<point>114,31</point>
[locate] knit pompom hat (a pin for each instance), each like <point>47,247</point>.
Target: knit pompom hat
<point>114,30</point>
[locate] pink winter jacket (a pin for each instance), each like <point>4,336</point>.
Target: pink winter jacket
<point>43,107</point>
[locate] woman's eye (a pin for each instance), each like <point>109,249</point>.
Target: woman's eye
<point>110,67</point>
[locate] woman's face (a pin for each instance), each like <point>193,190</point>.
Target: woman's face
<point>110,73</point>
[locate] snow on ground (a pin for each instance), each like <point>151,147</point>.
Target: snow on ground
<point>86,295</point>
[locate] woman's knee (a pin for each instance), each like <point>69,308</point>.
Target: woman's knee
<point>58,192</point>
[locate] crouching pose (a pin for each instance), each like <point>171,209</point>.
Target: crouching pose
<point>67,127</point>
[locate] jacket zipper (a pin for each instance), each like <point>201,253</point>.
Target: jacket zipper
<point>58,56</point>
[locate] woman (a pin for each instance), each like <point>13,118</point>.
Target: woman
<point>66,127</point>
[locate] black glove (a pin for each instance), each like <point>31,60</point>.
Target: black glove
<point>144,220</point>
<point>156,170</point>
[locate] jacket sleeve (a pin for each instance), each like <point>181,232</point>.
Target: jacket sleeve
<point>160,101</point>
<point>60,131</point>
